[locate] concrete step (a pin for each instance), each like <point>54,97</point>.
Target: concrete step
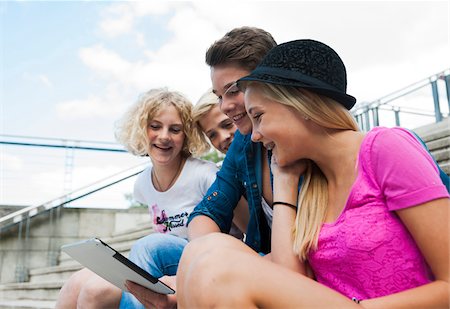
<point>46,282</point>
<point>439,143</point>
<point>442,155</point>
<point>434,131</point>
<point>42,291</point>
<point>54,273</point>
<point>445,166</point>
<point>138,227</point>
<point>27,304</point>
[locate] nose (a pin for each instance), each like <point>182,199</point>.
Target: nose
<point>225,136</point>
<point>164,134</point>
<point>256,136</point>
<point>226,105</point>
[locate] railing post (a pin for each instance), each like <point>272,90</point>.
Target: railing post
<point>447,87</point>
<point>21,271</point>
<point>437,108</point>
<point>376,120</point>
<point>52,254</point>
<point>358,121</point>
<point>397,116</point>
<point>367,119</point>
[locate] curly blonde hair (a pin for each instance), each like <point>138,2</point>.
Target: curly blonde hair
<point>204,105</point>
<point>131,129</point>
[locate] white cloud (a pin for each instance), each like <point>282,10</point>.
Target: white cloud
<point>370,36</point>
<point>10,162</point>
<point>140,39</point>
<point>40,78</point>
<point>103,60</point>
<point>119,20</point>
<point>45,80</point>
<point>93,107</point>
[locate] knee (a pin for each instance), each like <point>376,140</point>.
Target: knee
<point>198,272</point>
<point>97,292</point>
<point>203,244</point>
<point>68,295</point>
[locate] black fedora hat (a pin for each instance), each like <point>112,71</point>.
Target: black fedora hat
<point>305,64</point>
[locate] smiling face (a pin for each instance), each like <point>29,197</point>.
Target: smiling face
<point>231,99</point>
<point>279,127</point>
<point>166,136</point>
<point>218,128</point>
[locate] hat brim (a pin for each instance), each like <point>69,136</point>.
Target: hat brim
<point>344,99</point>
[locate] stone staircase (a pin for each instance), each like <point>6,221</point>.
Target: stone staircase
<point>43,287</point>
<point>437,138</point>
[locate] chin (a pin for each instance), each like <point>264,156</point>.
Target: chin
<point>245,128</point>
<point>282,161</point>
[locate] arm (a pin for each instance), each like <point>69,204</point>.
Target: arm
<point>200,226</point>
<point>241,215</point>
<point>285,189</point>
<point>409,183</point>
<point>222,196</point>
<point>429,226</point>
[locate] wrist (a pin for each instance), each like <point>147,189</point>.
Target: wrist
<point>293,206</point>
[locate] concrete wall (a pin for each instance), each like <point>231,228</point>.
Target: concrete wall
<point>49,230</point>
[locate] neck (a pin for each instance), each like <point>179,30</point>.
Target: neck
<point>337,156</point>
<point>164,176</point>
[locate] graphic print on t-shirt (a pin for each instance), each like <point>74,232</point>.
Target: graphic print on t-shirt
<point>165,224</point>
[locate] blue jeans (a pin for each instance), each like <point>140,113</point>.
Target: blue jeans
<point>159,255</point>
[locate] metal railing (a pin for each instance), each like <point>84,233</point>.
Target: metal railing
<point>20,222</point>
<point>31,211</point>
<point>367,114</point>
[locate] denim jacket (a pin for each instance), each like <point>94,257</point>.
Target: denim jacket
<point>240,175</point>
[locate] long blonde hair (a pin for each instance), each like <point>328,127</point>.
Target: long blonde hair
<point>313,195</point>
<point>131,129</point>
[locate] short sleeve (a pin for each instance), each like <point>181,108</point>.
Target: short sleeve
<point>139,184</point>
<point>403,169</point>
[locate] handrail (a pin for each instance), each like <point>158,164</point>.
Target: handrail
<point>360,108</point>
<point>31,211</point>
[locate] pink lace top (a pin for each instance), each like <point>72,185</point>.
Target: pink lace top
<point>368,252</point>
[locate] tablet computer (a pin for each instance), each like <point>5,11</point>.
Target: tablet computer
<point>112,266</point>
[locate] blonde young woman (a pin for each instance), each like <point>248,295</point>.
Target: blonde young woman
<point>159,125</point>
<point>371,218</point>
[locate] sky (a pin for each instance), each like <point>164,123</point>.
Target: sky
<point>69,69</point>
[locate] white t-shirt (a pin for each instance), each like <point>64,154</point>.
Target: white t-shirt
<point>169,210</point>
<point>268,211</point>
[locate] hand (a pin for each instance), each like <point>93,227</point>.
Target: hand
<point>287,174</point>
<point>152,299</point>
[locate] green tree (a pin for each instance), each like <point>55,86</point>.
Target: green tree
<point>132,202</point>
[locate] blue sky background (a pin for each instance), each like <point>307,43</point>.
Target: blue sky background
<point>69,69</point>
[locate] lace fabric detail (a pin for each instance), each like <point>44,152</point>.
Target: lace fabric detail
<point>368,252</point>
